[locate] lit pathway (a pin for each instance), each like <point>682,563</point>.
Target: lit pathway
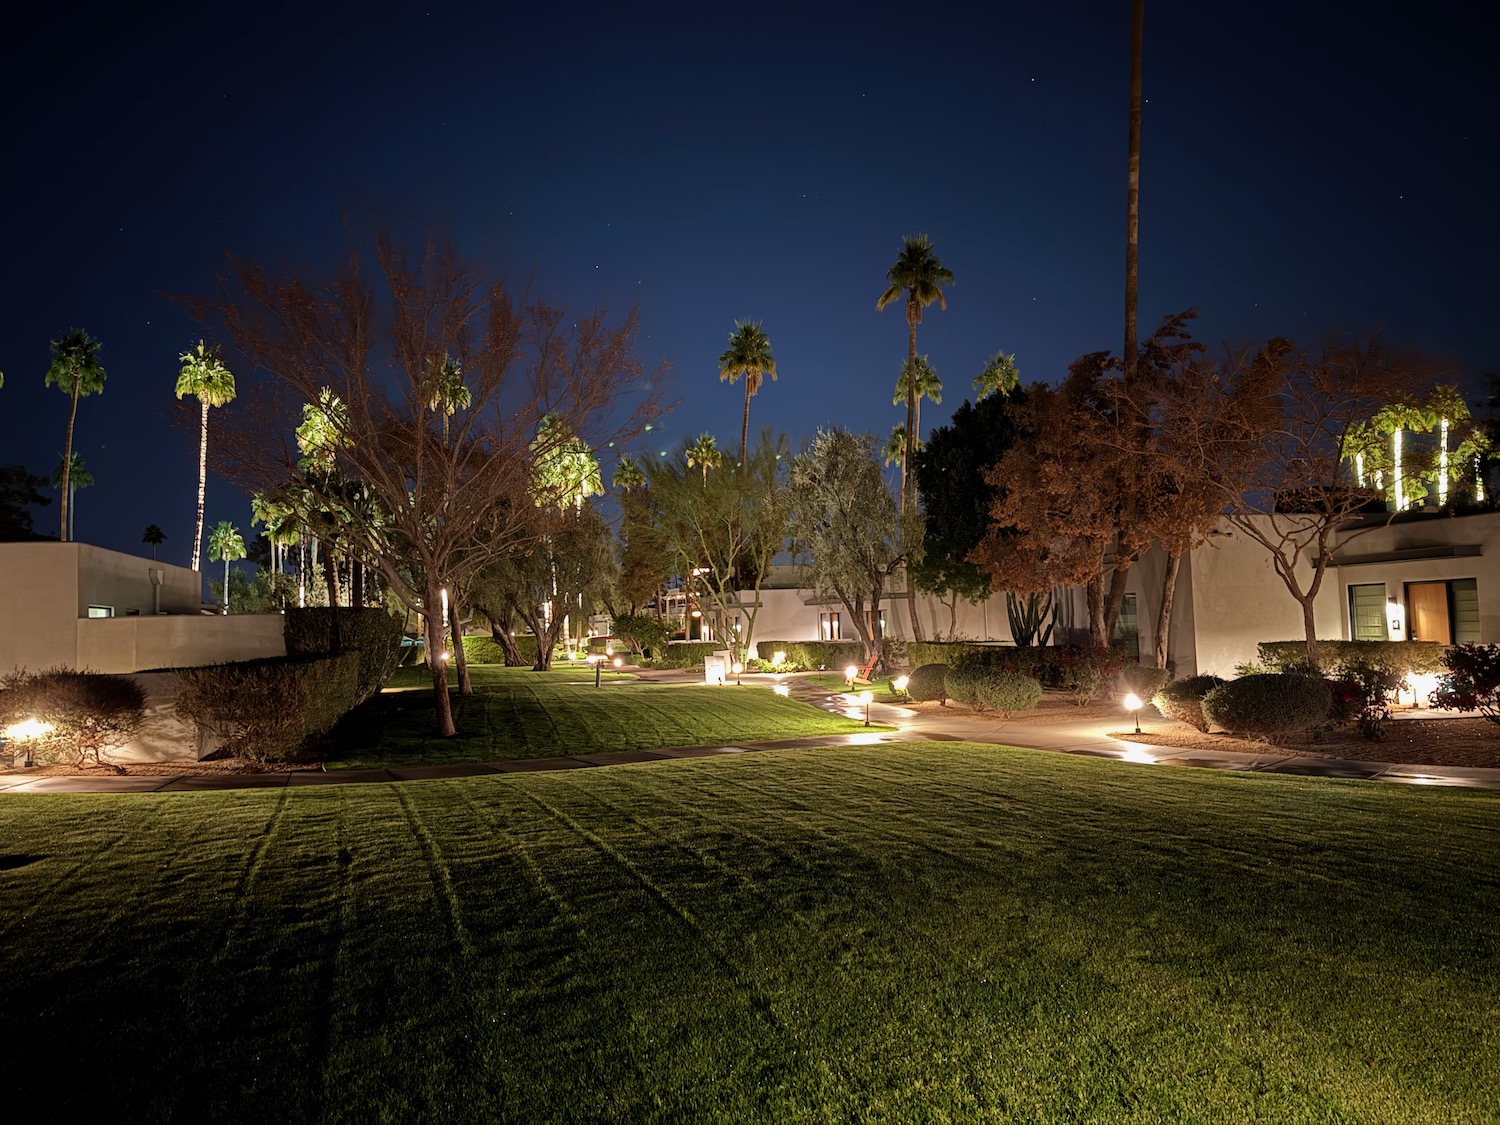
<point>1088,739</point>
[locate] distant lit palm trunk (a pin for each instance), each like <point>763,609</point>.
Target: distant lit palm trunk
<point>67,481</point>
<point>202,485</point>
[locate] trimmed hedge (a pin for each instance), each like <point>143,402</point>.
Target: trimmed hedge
<point>89,712</point>
<point>810,656</point>
<point>480,649</point>
<point>1340,657</point>
<point>1270,707</point>
<point>686,654</point>
<point>992,689</point>
<point>372,634</point>
<point>928,683</point>
<point>1183,699</point>
<point>1081,669</point>
<point>264,710</point>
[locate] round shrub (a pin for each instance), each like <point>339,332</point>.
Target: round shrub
<point>1009,691</point>
<point>927,682</point>
<point>962,684</point>
<point>1183,699</point>
<point>1270,706</point>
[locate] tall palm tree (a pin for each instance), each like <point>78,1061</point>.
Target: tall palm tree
<point>225,543</point>
<point>920,275</point>
<point>445,390</point>
<point>566,471</point>
<point>69,478</point>
<point>749,355</point>
<point>204,376</point>
<point>1000,376</point>
<point>1133,187</point>
<point>895,445</point>
<point>76,372</point>
<point>917,381</point>
<point>154,537</point>
<point>705,454</point>
<point>322,431</point>
<point>628,475</point>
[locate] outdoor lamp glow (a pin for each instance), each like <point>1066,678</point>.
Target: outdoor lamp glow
<point>778,657</point>
<point>1133,704</point>
<point>619,662</point>
<point>28,729</point>
<point>849,674</point>
<point>867,697</point>
<point>739,670</point>
<point>900,682</point>
<point>782,689</point>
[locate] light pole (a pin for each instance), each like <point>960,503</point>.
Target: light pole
<point>1133,704</point>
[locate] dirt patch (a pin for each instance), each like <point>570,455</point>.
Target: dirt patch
<point>1420,738</point>
<point>215,767</point>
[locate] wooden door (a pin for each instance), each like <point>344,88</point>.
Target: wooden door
<point>1427,603</point>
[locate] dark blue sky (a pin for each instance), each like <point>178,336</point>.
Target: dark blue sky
<point>1310,174</point>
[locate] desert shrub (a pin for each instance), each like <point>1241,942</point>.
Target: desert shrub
<point>642,632</point>
<point>810,656</point>
<point>264,710</point>
<point>1271,706</point>
<point>1372,690</point>
<point>1183,699</point>
<point>1340,658</point>
<point>1471,681</point>
<point>89,712</point>
<point>374,635</point>
<point>928,682</point>
<point>1135,677</point>
<point>1008,691</point>
<point>962,685</point>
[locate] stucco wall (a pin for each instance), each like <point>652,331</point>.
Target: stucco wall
<point>38,605</point>
<point>136,644</point>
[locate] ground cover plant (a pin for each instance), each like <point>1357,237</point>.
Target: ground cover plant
<point>517,713</point>
<point>894,932</point>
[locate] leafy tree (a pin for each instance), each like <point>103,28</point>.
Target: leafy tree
<point>919,275</point>
<point>956,498</point>
<point>224,542</point>
<point>848,528</point>
<point>18,491</point>
<point>71,475</point>
<point>729,527</point>
<point>153,537</point>
<point>75,371</point>
<point>749,354</point>
<point>204,376</point>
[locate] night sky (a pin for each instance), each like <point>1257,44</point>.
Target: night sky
<point>1308,170</point>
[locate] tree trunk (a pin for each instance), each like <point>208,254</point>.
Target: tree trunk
<point>913,312</point>
<point>456,630</point>
<point>744,434</point>
<point>357,583</point>
<point>1164,616</point>
<point>1311,626</point>
<point>1098,631</point>
<point>1133,188</point>
<point>1116,597</point>
<point>67,477</point>
<point>436,665</point>
<point>331,577</point>
<point>202,482</point>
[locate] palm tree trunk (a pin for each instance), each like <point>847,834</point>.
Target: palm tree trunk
<point>437,666</point>
<point>202,482</point>
<point>913,310</point>
<point>226,585</point>
<point>1133,187</point>
<point>744,434</point>
<point>67,476</point>
<point>72,510</point>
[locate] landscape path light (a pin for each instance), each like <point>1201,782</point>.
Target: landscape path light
<point>26,732</point>
<point>1133,704</point>
<point>867,697</point>
<point>900,684</point>
<point>849,674</point>
<point>739,670</point>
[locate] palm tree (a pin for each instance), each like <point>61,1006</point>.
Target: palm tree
<point>921,276</point>
<point>566,470</point>
<point>153,538</point>
<point>69,478</point>
<point>76,372</point>
<point>204,376</point>
<point>225,543</point>
<point>895,445</point>
<point>322,430</point>
<point>705,454</point>
<point>628,475</point>
<point>1000,376</point>
<point>917,381</point>
<point>1133,188</point>
<point>749,355</point>
<point>446,390</point>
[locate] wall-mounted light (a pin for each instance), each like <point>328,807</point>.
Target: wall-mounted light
<point>1395,619</point>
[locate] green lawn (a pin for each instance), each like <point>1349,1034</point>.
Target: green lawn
<point>518,713</point>
<point>939,932</point>
<point>834,681</point>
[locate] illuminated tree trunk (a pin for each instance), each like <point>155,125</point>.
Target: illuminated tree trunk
<point>436,665</point>
<point>67,477</point>
<point>1164,615</point>
<point>202,483</point>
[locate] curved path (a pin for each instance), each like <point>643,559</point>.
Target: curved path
<point>1085,738</point>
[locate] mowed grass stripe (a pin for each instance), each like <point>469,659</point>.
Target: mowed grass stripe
<point>1079,939</point>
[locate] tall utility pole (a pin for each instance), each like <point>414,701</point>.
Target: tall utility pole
<point>1133,188</point>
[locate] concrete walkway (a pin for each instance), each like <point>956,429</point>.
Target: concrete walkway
<point>1089,739</point>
